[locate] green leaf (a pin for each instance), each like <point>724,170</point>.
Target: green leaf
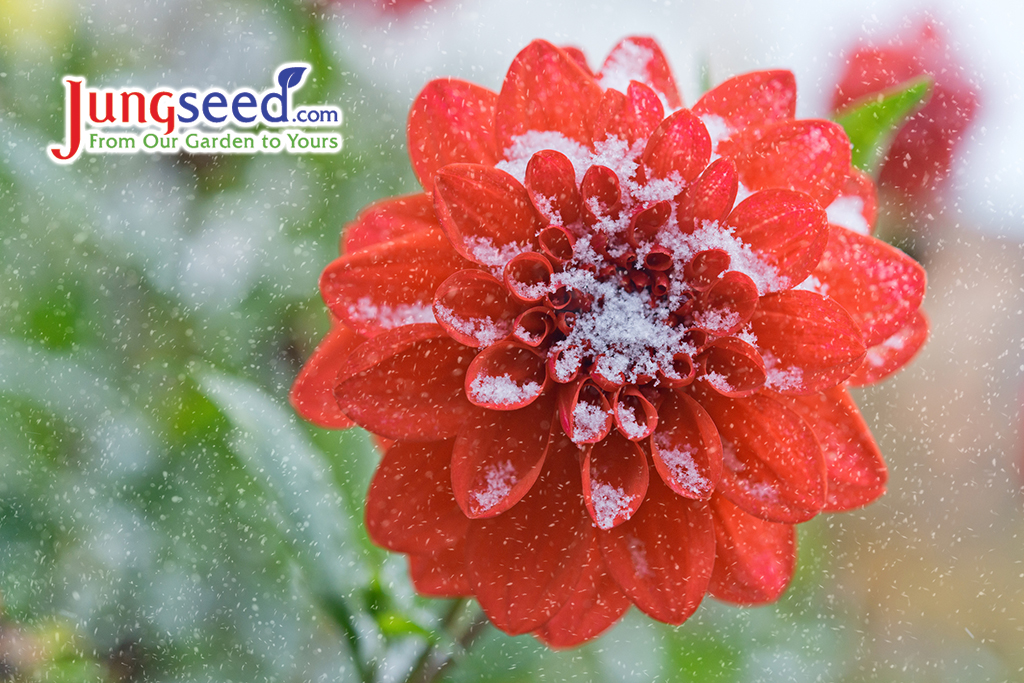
<point>394,624</point>
<point>872,122</point>
<point>277,454</point>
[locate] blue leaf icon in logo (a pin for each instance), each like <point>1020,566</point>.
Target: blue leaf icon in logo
<point>289,78</point>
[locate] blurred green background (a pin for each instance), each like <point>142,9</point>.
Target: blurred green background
<point>164,516</point>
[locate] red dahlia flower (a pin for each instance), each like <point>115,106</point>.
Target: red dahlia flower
<point>922,153</point>
<point>610,347</point>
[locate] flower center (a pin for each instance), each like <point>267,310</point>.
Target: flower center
<point>639,293</point>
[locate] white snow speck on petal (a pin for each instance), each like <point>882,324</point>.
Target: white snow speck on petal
<point>718,381</point>
<point>488,253</point>
<point>780,378</point>
<point>638,555</point>
<point>681,465</point>
<point>502,390</point>
<point>524,146</point>
<point>609,502</point>
<point>485,330</point>
<point>588,421</point>
<point>389,317</point>
<point>500,480</point>
<point>628,423</point>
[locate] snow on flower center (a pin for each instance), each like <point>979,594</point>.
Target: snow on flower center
<point>624,334</point>
<point>624,286</point>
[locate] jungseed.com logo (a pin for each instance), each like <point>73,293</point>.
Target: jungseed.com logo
<point>169,121</point>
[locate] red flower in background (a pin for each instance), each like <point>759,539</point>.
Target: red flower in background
<point>611,341</point>
<point>922,153</point>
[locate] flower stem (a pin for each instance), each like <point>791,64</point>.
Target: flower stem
<point>463,623</point>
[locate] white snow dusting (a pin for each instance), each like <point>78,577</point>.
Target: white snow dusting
<point>628,423</point>
<point>713,235</point>
<point>848,212</point>
<point>484,330</point>
<point>780,378</point>
<point>622,331</point>
<point>627,63</point>
<point>718,381</point>
<point>681,464</point>
<point>491,255</point>
<point>609,502</point>
<point>389,317</point>
<point>500,477</point>
<point>588,421</point>
<point>718,129</point>
<point>502,390</point>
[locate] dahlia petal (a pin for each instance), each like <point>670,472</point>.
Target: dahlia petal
<point>498,457</point>
<point>528,276</point>
<point>614,117</point>
<point>556,243</point>
<point>389,219</point>
<point>485,213</point>
<point>615,477</point>
<point>639,58</point>
<point>683,372</point>
<point>390,284</point>
<point>645,108</point>
<point>506,376</point>
<point>410,507</point>
<point>711,197</point>
<point>595,605</point>
<point>787,230</point>
<point>856,471</point>
<point>728,304</point>
<point>601,193</point>
<point>809,343</point>
<point>442,573</point>
<point>406,384</point>
<point>774,467</point>
<point>662,558</point>
<point>878,285</point>
<point>686,448</point>
<point>681,144</point>
<point>808,155</point>
<point>474,308</point>
<point>551,184</point>
<point>584,410</point>
<point>524,564</point>
<point>706,267</point>
<point>450,122</point>
<point>856,207</point>
<point>564,366</point>
<point>733,368</point>
<point>628,117</point>
<point>546,90</point>
<point>754,559</point>
<point>577,55</point>
<point>312,395</point>
<point>532,326</point>
<point>882,360</point>
<point>751,100</point>
<point>635,417</point>
<point>647,222</point>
